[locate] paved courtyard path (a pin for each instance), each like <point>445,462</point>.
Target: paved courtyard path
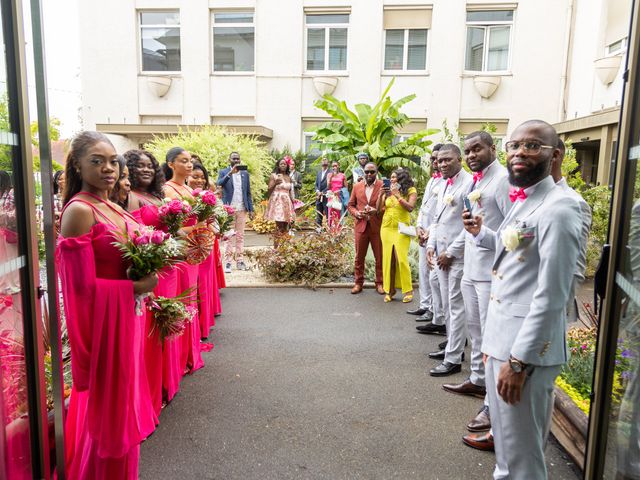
<point>319,384</point>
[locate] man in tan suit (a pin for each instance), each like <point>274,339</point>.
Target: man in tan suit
<point>363,207</point>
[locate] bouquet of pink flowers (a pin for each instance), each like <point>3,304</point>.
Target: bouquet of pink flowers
<point>171,315</point>
<point>174,213</point>
<point>149,251</point>
<point>224,219</point>
<point>204,205</point>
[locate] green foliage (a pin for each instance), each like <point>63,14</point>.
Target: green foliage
<point>371,129</point>
<point>298,156</point>
<point>213,144</point>
<point>309,259</point>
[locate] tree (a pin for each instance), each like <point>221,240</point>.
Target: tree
<point>372,130</point>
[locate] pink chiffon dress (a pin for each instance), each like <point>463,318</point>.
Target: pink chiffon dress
<point>208,294</point>
<point>336,184</point>
<point>110,410</point>
<point>191,358</point>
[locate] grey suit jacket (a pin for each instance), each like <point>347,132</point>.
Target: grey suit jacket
<point>531,284</point>
<point>447,219</point>
<point>587,218</point>
<point>492,206</point>
<point>429,201</point>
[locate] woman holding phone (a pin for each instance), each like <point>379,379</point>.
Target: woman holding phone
<point>280,192</point>
<point>399,200</point>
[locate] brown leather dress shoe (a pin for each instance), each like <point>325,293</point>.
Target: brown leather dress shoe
<point>379,289</point>
<point>356,289</point>
<point>480,441</point>
<point>466,388</point>
<point>482,421</point>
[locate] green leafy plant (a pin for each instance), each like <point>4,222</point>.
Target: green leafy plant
<point>371,129</point>
<point>213,144</point>
<point>309,259</point>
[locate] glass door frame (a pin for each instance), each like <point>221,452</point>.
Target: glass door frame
<point>621,203</point>
<point>24,190</point>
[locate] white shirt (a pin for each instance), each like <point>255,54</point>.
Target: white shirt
<point>237,202</point>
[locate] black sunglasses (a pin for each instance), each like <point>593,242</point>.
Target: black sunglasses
<point>369,171</point>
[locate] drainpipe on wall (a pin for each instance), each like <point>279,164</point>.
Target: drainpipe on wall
<point>564,79</point>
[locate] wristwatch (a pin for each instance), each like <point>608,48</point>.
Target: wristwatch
<point>516,365</point>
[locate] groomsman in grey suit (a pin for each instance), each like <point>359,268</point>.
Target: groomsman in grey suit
<point>585,209</point>
<point>447,225</point>
<point>489,198</point>
<point>425,310</point>
<point>537,246</point>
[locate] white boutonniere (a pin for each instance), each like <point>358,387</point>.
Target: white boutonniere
<point>475,196</point>
<point>435,191</point>
<point>448,200</point>
<point>512,236</point>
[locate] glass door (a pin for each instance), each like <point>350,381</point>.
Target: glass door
<point>614,431</point>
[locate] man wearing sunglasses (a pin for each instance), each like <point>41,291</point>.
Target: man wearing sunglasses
<point>536,249</point>
<point>363,207</point>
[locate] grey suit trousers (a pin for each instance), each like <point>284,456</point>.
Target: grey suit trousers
<point>453,307</point>
<point>476,302</point>
<point>436,298</point>
<point>520,430</point>
<point>426,297</point>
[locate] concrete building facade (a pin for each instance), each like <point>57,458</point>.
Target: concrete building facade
<point>257,66</point>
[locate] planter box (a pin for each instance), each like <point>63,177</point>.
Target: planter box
<point>569,426</point>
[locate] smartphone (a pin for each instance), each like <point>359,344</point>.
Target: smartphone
<point>241,167</point>
<point>386,183</point>
<point>467,203</point>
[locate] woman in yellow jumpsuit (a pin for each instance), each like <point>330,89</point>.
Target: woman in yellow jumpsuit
<point>399,200</point>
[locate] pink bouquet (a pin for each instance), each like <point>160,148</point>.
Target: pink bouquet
<point>204,203</point>
<point>224,219</point>
<point>174,213</point>
<point>171,315</point>
<point>148,250</point>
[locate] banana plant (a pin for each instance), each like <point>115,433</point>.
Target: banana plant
<point>371,129</point>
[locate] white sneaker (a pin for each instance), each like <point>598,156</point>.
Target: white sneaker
<point>227,268</point>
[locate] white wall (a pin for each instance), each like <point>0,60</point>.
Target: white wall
<point>279,94</point>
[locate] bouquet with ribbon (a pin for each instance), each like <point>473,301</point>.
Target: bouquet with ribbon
<point>171,315</point>
<point>148,251</point>
<point>174,213</point>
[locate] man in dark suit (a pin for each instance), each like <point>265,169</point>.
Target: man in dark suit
<point>236,191</point>
<point>321,191</point>
<point>363,205</point>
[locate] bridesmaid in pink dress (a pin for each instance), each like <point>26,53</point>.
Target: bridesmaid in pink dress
<point>177,169</point>
<point>336,181</point>
<point>208,291</point>
<point>162,360</point>
<point>110,411</point>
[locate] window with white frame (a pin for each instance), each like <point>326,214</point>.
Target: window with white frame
<point>405,49</point>
<point>233,41</point>
<point>488,40</point>
<point>314,152</point>
<point>616,47</point>
<point>405,39</point>
<point>326,41</point>
<point>160,40</point>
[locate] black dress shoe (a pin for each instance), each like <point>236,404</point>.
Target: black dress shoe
<point>440,356</point>
<point>445,369</point>
<point>431,329</point>
<point>443,345</point>
<point>425,317</point>
<point>417,311</point>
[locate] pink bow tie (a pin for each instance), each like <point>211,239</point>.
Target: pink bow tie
<point>477,176</point>
<point>436,175</point>
<point>449,181</point>
<point>517,194</point>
